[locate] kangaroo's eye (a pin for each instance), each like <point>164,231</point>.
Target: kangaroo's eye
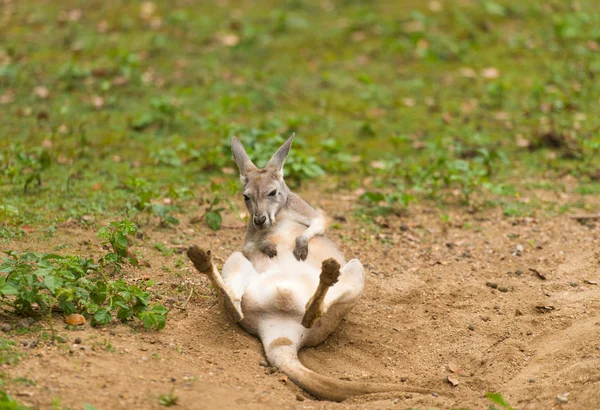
<point>273,192</point>
<point>246,198</point>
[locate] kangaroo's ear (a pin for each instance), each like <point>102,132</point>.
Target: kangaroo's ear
<point>277,160</point>
<point>242,159</point>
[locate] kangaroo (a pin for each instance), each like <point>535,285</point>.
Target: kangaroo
<point>291,286</point>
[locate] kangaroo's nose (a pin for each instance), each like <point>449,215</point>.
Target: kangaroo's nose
<point>260,220</point>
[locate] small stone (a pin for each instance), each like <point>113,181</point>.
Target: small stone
<point>77,340</point>
<point>562,398</point>
<point>532,380</point>
<point>404,227</point>
<point>33,344</point>
<point>25,342</point>
<point>23,323</point>
<point>492,285</point>
<point>6,327</point>
<point>503,289</point>
<point>529,333</point>
<point>173,379</point>
<point>144,358</point>
<point>518,312</point>
<point>434,394</point>
<point>396,401</point>
<point>471,327</point>
<point>598,347</point>
<point>271,370</point>
<point>300,397</point>
<point>263,363</point>
<point>403,379</point>
<point>485,318</point>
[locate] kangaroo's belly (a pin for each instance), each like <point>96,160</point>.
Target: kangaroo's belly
<point>277,293</point>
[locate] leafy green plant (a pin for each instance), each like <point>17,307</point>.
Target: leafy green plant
<point>117,235</point>
<point>162,114</point>
<point>379,204</point>
<point>20,166</point>
<point>168,400</point>
<point>212,216</point>
<point>36,283</point>
<point>497,398</point>
<point>8,403</point>
<point>143,194</point>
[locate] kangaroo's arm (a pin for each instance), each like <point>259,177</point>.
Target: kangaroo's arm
<point>303,213</point>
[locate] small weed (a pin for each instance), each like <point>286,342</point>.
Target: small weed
<point>168,400</point>
<point>8,352</point>
<point>497,398</point>
<point>8,403</point>
<point>164,251</point>
<point>117,235</point>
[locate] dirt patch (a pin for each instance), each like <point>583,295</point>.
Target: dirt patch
<point>441,300</point>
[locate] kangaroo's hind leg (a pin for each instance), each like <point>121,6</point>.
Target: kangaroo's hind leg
<point>330,272</point>
<point>231,300</point>
<point>338,290</point>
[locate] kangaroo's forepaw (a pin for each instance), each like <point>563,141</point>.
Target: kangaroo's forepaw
<point>269,249</point>
<point>301,249</point>
<point>330,271</point>
<point>201,258</point>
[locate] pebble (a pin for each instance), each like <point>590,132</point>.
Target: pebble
<point>263,363</point>
<point>471,327</point>
<point>403,379</point>
<point>532,380</point>
<point>272,370</point>
<point>562,398</point>
<point>396,401</point>
<point>492,285</point>
<point>78,341</point>
<point>23,323</point>
<point>300,397</point>
<point>6,327</point>
<point>33,344</point>
<point>404,227</point>
<point>503,289</point>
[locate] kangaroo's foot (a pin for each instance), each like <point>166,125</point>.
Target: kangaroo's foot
<point>203,262</point>
<point>301,248</point>
<point>330,271</point>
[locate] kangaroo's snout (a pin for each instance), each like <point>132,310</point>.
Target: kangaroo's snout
<point>260,221</point>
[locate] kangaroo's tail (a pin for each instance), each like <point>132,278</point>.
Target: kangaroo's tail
<point>282,353</point>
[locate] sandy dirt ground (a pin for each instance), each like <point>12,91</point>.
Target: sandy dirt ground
<point>456,299</point>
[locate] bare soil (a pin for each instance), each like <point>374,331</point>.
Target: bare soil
<point>457,299</point>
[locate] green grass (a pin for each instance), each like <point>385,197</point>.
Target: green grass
<point>426,101</point>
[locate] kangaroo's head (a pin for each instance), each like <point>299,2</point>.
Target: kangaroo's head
<point>265,192</point>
